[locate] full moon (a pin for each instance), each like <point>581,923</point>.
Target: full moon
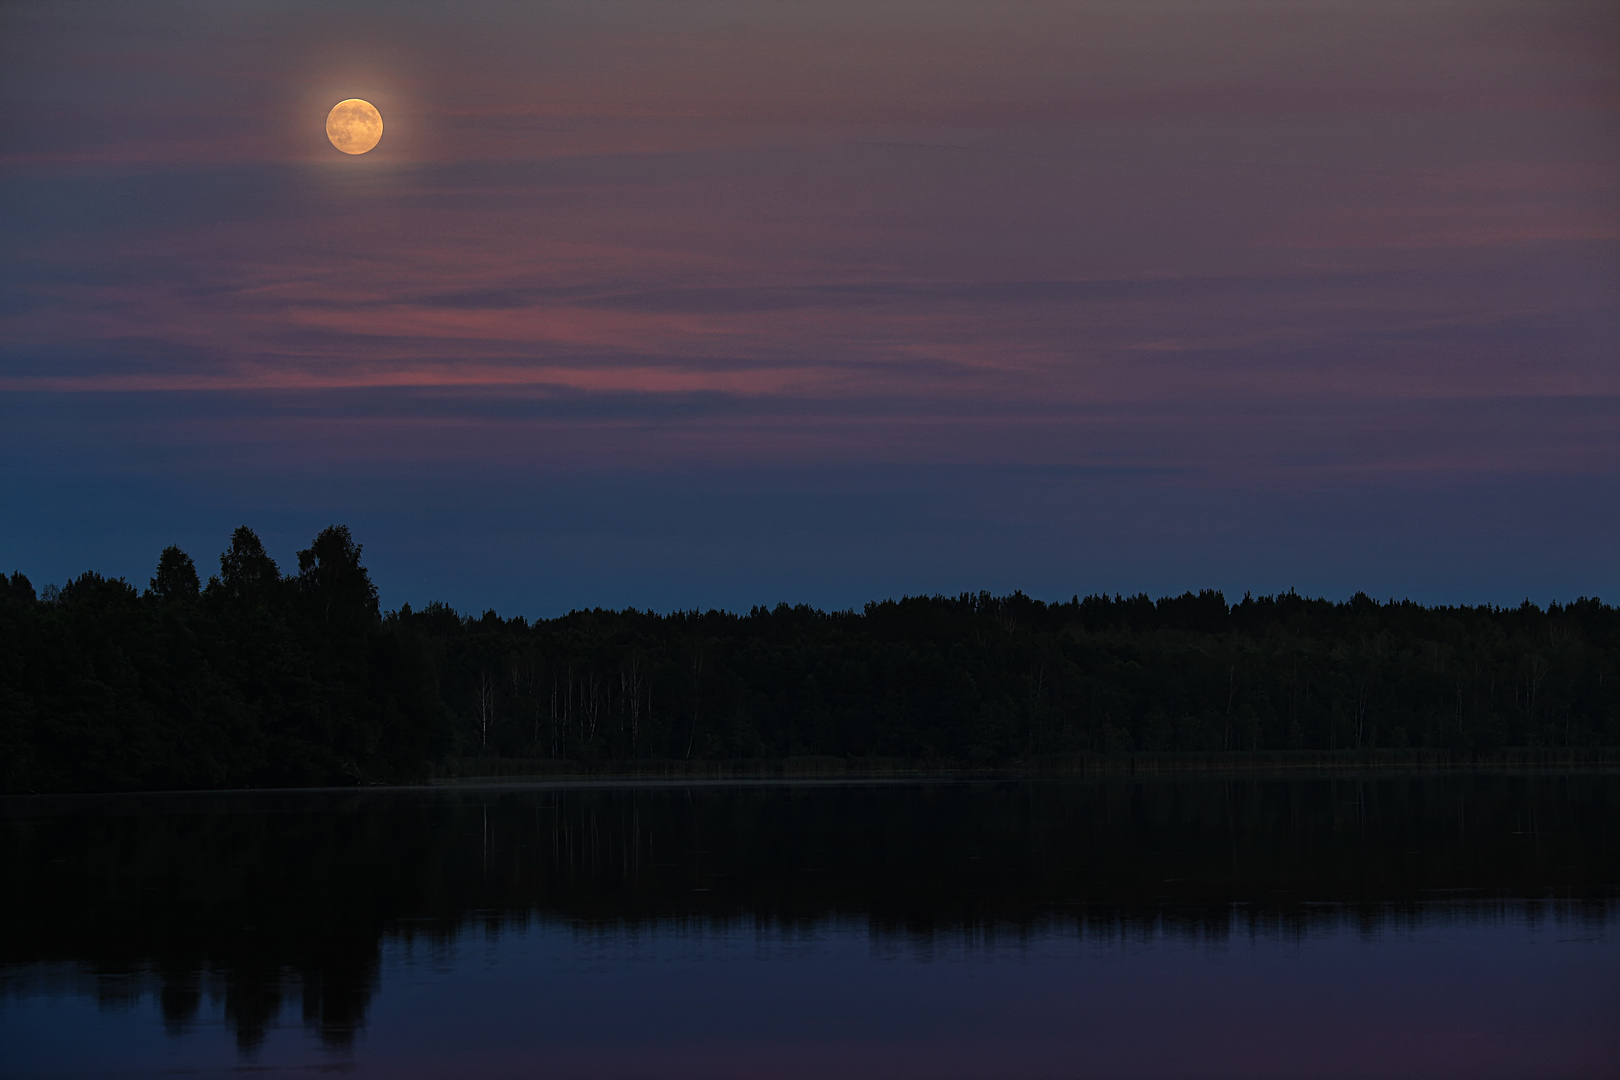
<point>354,126</point>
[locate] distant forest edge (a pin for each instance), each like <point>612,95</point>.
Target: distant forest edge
<point>263,679</point>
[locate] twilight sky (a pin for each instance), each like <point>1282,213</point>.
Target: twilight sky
<point>701,303</point>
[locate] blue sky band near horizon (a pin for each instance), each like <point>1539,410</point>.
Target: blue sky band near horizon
<point>724,303</point>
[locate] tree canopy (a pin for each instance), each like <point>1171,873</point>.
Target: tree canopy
<point>260,678</point>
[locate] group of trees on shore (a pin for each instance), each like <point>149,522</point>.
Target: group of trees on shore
<point>260,679</point>
<point>257,679</point>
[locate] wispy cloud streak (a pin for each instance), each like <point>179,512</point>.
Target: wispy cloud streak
<point>1281,243</point>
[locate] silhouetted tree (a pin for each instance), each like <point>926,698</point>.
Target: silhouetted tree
<point>247,574</point>
<point>331,577</point>
<point>176,577</point>
<point>19,588</point>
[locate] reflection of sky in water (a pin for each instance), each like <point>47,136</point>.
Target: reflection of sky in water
<point>1470,992</point>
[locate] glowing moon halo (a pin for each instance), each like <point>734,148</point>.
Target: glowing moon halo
<point>354,125</point>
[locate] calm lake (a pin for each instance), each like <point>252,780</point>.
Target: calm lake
<point>1361,925</point>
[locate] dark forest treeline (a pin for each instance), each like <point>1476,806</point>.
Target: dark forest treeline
<point>257,679</point>
<point>261,678</point>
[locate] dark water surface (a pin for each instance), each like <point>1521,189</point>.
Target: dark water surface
<point>1393,925</point>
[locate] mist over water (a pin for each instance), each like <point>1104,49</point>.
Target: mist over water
<point>1226,925</point>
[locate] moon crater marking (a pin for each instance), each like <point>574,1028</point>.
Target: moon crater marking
<point>354,125</point>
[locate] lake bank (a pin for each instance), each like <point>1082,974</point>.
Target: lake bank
<point>506,772</point>
<point>478,770</point>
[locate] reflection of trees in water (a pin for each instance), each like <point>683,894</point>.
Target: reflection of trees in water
<point>333,1001</point>
<point>251,903</point>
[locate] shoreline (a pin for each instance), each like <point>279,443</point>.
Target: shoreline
<point>476,773</point>
<point>1082,764</point>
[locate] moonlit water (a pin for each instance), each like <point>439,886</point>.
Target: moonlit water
<point>1349,926</point>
